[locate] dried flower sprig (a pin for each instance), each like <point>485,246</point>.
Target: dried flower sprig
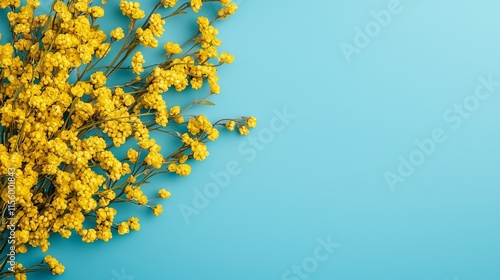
<point>64,118</point>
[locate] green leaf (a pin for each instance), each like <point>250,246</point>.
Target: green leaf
<point>206,102</point>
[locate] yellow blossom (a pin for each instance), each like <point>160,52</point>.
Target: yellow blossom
<point>123,228</point>
<point>243,129</point>
<point>169,3</point>
<point>183,158</point>
<point>89,235</point>
<point>172,48</point>
<point>19,272</point>
<point>172,167</point>
<point>174,111</point>
<point>96,12</point>
<point>226,58</point>
<point>146,37</point>
<point>157,210</point>
<point>131,10</point>
<point>228,10</point>
<point>156,25</point>
<point>65,115</point>
<point>163,193</point>
<point>183,169</point>
<point>179,119</point>
<point>117,33</point>
<point>137,61</point>
<point>230,125</point>
<point>54,265</point>
<point>132,155</point>
<point>251,122</point>
<point>196,5</point>
<point>225,3</point>
<point>213,134</point>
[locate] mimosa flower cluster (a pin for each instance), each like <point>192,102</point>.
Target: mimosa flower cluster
<point>66,117</point>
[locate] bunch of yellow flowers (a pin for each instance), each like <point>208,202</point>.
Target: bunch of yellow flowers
<point>63,119</point>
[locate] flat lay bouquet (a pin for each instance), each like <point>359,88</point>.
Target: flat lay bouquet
<point>82,115</point>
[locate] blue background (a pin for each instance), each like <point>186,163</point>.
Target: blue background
<point>322,175</point>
